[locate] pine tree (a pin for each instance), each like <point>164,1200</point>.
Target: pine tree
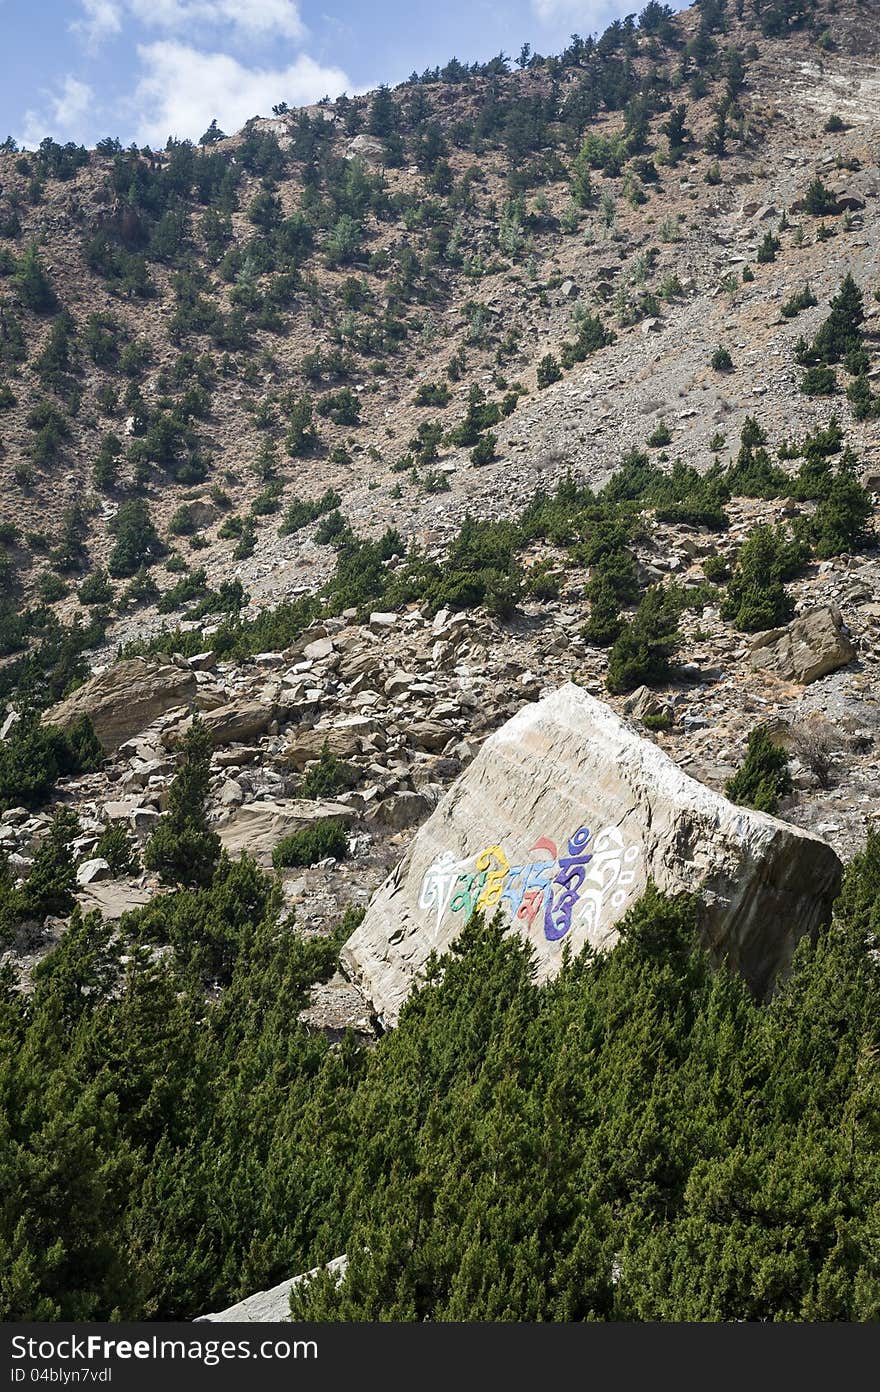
<point>604,624</point>
<point>756,595</point>
<point>840,522</point>
<point>212,134</point>
<point>841,331</point>
<point>384,118</point>
<point>183,848</point>
<point>676,131</point>
<point>32,282</point>
<point>763,777</point>
<point>641,654</point>
<point>137,541</point>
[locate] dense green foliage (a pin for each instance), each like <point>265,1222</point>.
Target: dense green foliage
<point>137,541</point>
<point>183,848</point>
<point>114,846</point>
<point>756,595</point>
<point>642,652</point>
<point>32,282</point>
<point>49,885</point>
<point>311,844</point>
<point>839,339</point>
<point>763,778</point>
<point>299,514</point>
<point>840,522</point>
<point>34,756</point>
<point>637,1139</point>
<point>328,776</point>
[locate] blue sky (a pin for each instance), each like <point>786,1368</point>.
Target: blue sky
<point>145,69</point>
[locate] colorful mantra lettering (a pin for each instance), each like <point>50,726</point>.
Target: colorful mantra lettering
<point>554,888</point>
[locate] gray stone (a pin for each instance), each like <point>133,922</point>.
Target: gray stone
<point>517,818</point>
<point>125,699</point>
<point>120,810</point>
<point>306,745</point>
<point>143,820</point>
<point>114,898</point>
<point>231,723</point>
<point>643,701</point>
<point>360,664</point>
<point>806,649</point>
<point>318,650</point>
<point>382,623</point>
<point>259,826</point>
<point>230,794</point>
<point>10,720</point>
<point>91,870</point>
<point>399,685</point>
<point>431,735</point>
<point>400,810</point>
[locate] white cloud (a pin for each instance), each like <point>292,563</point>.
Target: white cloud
<point>589,15</point>
<point>252,18</point>
<point>65,116</point>
<point>101,19</point>
<point>182,89</point>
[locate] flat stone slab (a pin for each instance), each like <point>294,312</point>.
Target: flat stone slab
<point>558,824</point>
<point>259,826</point>
<point>113,897</point>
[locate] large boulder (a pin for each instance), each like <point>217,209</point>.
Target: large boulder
<point>125,699</point>
<point>558,824</point>
<point>430,735</point>
<point>89,871</point>
<point>399,810</point>
<point>806,649</point>
<point>362,663</point>
<point>343,742</point>
<point>259,826</point>
<point>230,723</point>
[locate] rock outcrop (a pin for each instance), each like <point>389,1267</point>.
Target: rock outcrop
<point>229,723</point>
<point>270,1306</point>
<point>558,824</point>
<point>125,699</point>
<point>806,649</point>
<point>258,827</point>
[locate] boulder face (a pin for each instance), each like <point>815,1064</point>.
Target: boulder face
<point>125,699</point>
<point>271,1306</point>
<point>229,723</point>
<point>343,743</point>
<point>806,649</point>
<point>558,824</point>
<point>258,827</point>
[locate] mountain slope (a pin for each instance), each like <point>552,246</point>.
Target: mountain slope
<point>300,236</point>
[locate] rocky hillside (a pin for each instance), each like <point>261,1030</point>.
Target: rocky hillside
<point>307,305</point>
<point>318,414</point>
<point>328,447</point>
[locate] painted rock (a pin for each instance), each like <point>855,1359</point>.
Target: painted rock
<point>558,824</point>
